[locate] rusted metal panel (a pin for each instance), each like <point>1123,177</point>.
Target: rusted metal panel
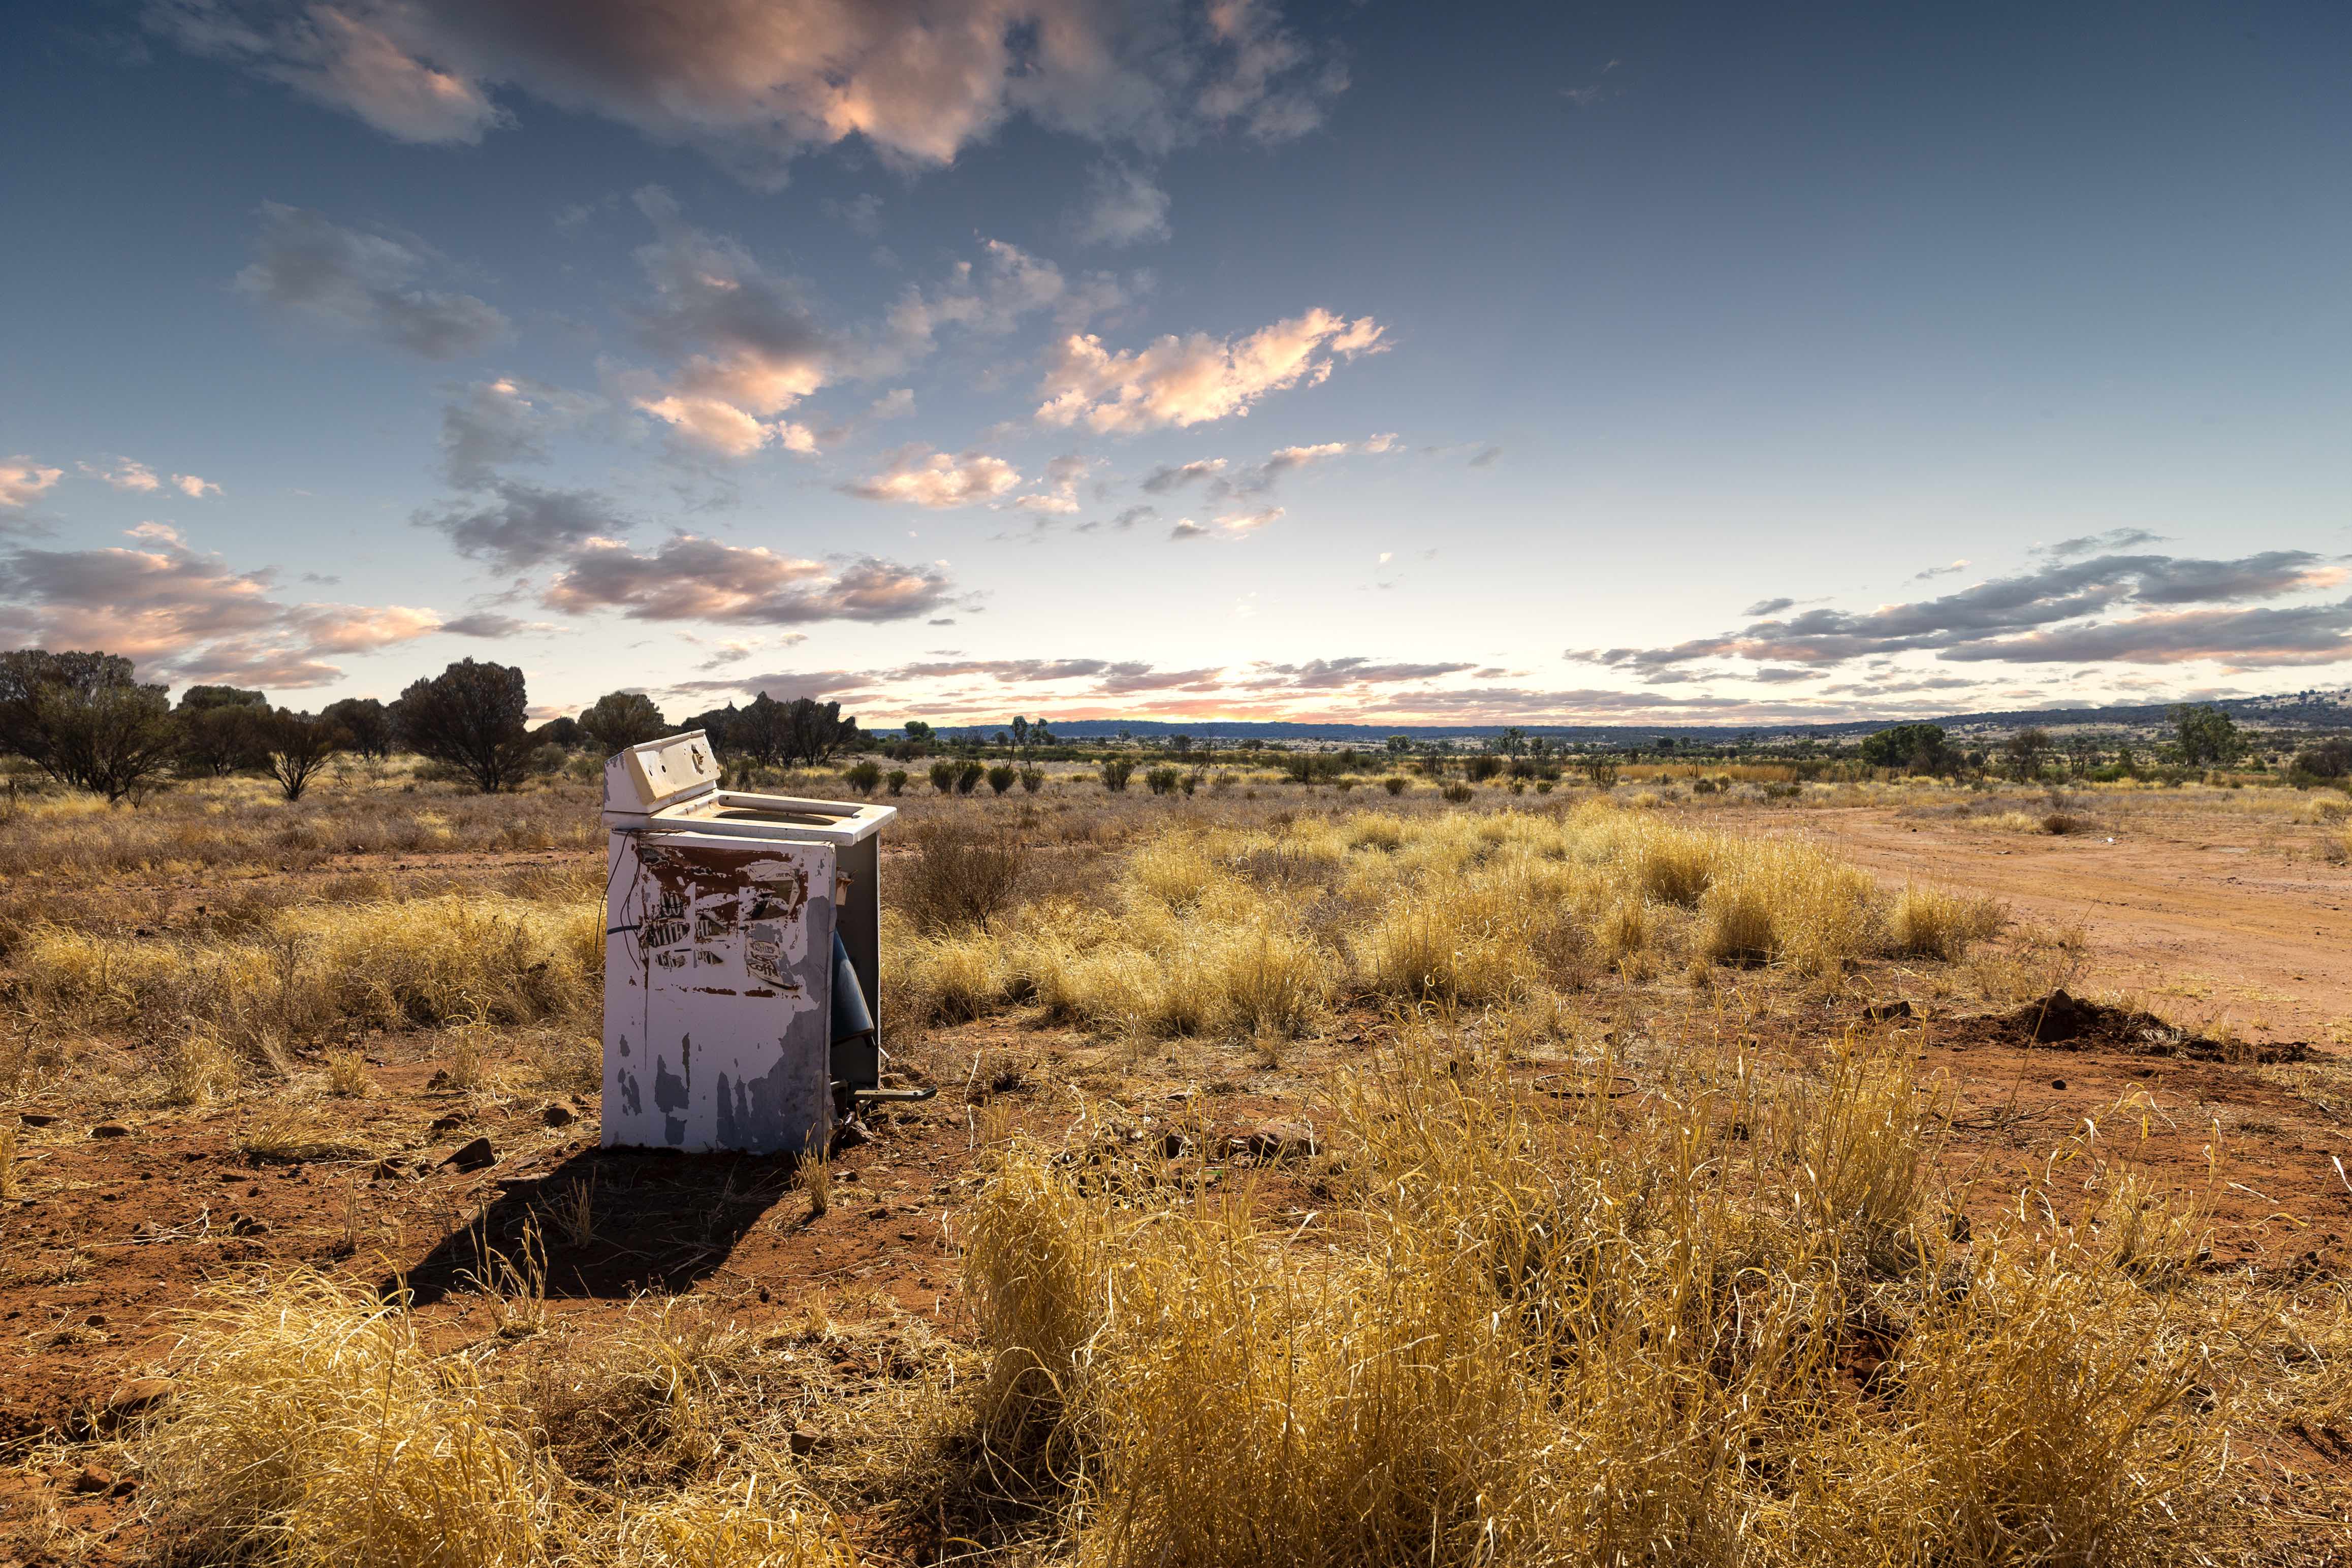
<point>718,957</point>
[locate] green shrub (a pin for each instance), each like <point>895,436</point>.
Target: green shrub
<point>1115,772</point>
<point>863,777</point>
<point>1001,777</point>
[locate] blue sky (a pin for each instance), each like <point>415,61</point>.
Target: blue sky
<point>956,358</point>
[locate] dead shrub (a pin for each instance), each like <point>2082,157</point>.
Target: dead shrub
<point>961,875</point>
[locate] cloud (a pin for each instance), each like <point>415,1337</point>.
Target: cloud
<point>1769,607</point>
<point>989,299</point>
<point>1335,675</point>
<point>1249,522</point>
<point>2052,613</point>
<point>1186,529</point>
<point>336,57</point>
<point>22,480</point>
<point>1164,480</point>
<point>1947,570</point>
<point>185,616</point>
<point>489,425</point>
<point>689,577</point>
<point>126,474</point>
<point>486,624</point>
<point>936,479</point>
<point>1123,207</point>
<point>2113,539</point>
<point>516,527</point>
<point>1486,458</point>
<point>896,403</point>
<point>362,285</point>
<point>1063,476</point>
<point>1181,381</point>
<point>746,342</point>
<point>194,488</point>
<point>755,85</point>
<point>1261,478</point>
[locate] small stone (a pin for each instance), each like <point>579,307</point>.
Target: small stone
<point>93,1478</point>
<point>2057,1084</point>
<point>247,1224</point>
<point>558,1116</point>
<point>804,1440</point>
<point>37,1118</point>
<point>1277,1141</point>
<point>448,1124</point>
<point>472,1156</point>
<point>440,1080</point>
<point>109,1130</point>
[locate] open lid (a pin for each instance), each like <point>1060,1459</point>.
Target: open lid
<point>658,773</point>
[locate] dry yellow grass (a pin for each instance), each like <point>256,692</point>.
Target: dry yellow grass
<point>1257,931</point>
<point>308,1426</point>
<point>308,969</point>
<point>1528,1340</point>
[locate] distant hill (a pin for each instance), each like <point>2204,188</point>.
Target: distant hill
<point>2313,710</point>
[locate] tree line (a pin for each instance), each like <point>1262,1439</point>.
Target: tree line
<point>88,721</point>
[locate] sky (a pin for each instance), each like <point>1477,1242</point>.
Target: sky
<point>1364,363</point>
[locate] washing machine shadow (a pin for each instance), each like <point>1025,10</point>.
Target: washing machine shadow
<point>605,1224</point>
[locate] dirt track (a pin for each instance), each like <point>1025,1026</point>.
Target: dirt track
<point>2211,931</point>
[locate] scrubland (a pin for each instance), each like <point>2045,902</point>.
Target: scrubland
<point>1321,1177</point>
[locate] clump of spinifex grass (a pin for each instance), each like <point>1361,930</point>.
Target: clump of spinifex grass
<point>1597,1335</point>
<point>308,1425</point>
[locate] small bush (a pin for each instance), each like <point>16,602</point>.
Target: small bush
<point>960,876</point>
<point>1927,922</point>
<point>1115,772</point>
<point>1001,777</point>
<point>1480,768</point>
<point>1162,780</point>
<point>1031,779</point>
<point>968,777</point>
<point>943,774</point>
<point>862,777</point>
<point>1393,784</point>
<point>895,780</point>
<point>1458,793</point>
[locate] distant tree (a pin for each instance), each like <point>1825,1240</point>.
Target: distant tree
<point>367,723</point>
<point>814,732</point>
<point>1039,734</point>
<point>297,745</point>
<point>2026,750</point>
<point>916,729</point>
<point>221,729</point>
<point>1916,748</point>
<point>2331,758</point>
<point>1512,741</point>
<point>618,720</point>
<point>1020,730</point>
<point>1398,745</point>
<point>470,716</point>
<point>2208,737</point>
<point>563,730</point>
<point>1182,745</point>
<point>85,720</point>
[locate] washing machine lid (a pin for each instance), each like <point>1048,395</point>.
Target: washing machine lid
<point>658,773</point>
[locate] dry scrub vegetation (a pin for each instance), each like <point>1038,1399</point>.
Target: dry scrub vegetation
<point>1258,929</point>
<point>1575,1267</point>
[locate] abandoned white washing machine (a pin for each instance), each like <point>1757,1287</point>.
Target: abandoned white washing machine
<point>741,959</point>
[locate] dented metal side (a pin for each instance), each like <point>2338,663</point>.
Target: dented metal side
<point>716,961</point>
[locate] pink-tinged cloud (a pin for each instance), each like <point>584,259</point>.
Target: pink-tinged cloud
<point>689,577</point>
<point>1179,381</point>
<point>21,481</point>
<point>935,479</point>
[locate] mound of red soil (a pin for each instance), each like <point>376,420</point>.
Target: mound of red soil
<point>2069,1022</point>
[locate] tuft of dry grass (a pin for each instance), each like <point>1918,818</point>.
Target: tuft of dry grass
<point>308,1426</point>
<point>1929,923</point>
